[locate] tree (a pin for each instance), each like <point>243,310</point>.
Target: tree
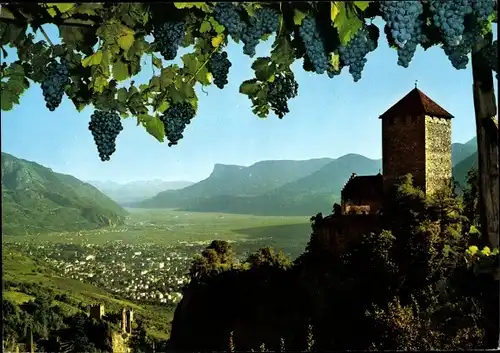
<point>103,45</point>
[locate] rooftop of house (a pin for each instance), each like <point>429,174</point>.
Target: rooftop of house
<point>416,102</point>
<point>363,187</point>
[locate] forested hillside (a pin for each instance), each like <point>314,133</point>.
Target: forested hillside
<point>36,199</point>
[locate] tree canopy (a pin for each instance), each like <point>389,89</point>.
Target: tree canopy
<point>103,44</point>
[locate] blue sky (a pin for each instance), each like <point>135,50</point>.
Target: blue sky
<point>329,118</point>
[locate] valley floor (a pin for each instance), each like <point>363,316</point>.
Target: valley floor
<point>143,264</point>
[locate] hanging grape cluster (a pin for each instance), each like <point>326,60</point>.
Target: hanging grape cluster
<point>448,17</point>
<point>229,16</point>
<point>280,91</point>
<point>401,18</point>
<point>56,77</point>
<point>482,8</point>
<point>105,128</point>
<point>407,51</point>
<point>219,65</point>
<point>168,37</point>
<point>265,21</point>
<point>354,53</point>
<point>315,48</point>
<point>175,119</point>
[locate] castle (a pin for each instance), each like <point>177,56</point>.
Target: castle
<point>416,139</point>
<point>96,311</point>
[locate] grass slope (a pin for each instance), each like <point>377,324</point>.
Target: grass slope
<point>36,199</point>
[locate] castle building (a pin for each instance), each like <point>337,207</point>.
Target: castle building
<point>416,139</point>
<point>96,311</point>
<point>127,319</point>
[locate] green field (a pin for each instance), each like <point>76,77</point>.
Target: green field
<point>161,227</point>
<point>169,227</point>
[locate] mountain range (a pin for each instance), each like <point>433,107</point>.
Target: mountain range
<point>35,199</point>
<point>284,188</point>
<point>137,190</point>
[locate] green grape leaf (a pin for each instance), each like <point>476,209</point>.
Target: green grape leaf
<point>263,68</point>
<point>125,38</point>
<point>12,90</point>
<point>205,27</point>
<point>218,28</point>
<point>334,62</point>
<point>203,76</point>
<point>334,10</point>
<point>346,23</point>
<point>78,38</point>
<point>154,126</point>
<point>62,7</point>
<point>250,87</point>
<point>183,92</point>
<point>298,17</point>
<point>167,77</point>
<point>93,60</point>
<point>120,71</point>
<point>362,5</point>
<point>163,106</point>
<point>250,9</point>
<point>283,53</point>
<point>190,61</point>
<point>122,95</point>
<point>189,5</point>
<point>11,32</point>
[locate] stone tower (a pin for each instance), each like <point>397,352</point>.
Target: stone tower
<point>416,139</point>
<point>96,311</point>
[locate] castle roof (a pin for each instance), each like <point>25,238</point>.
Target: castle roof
<point>363,187</point>
<point>416,102</point>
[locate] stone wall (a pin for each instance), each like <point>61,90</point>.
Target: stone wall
<point>361,207</point>
<point>438,165</point>
<point>336,233</point>
<point>403,149</point>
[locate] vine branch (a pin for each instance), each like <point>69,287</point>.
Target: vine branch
<point>203,65</point>
<point>46,36</point>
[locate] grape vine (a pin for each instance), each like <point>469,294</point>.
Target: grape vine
<point>315,48</point>
<point>354,54</point>
<point>266,21</point>
<point>56,77</point>
<point>219,66</point>
<point>279,91</point>
<point>105,128</point>
<point>401,17</point>
<point>448,17</point>
<point>325,36</point>
<point>175,119</point>
<point>168,37</point>
<point>229,16</point>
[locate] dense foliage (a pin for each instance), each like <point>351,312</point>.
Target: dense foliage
<point>416,285</point>
<point>103,45</point>
<point>52,328</point>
